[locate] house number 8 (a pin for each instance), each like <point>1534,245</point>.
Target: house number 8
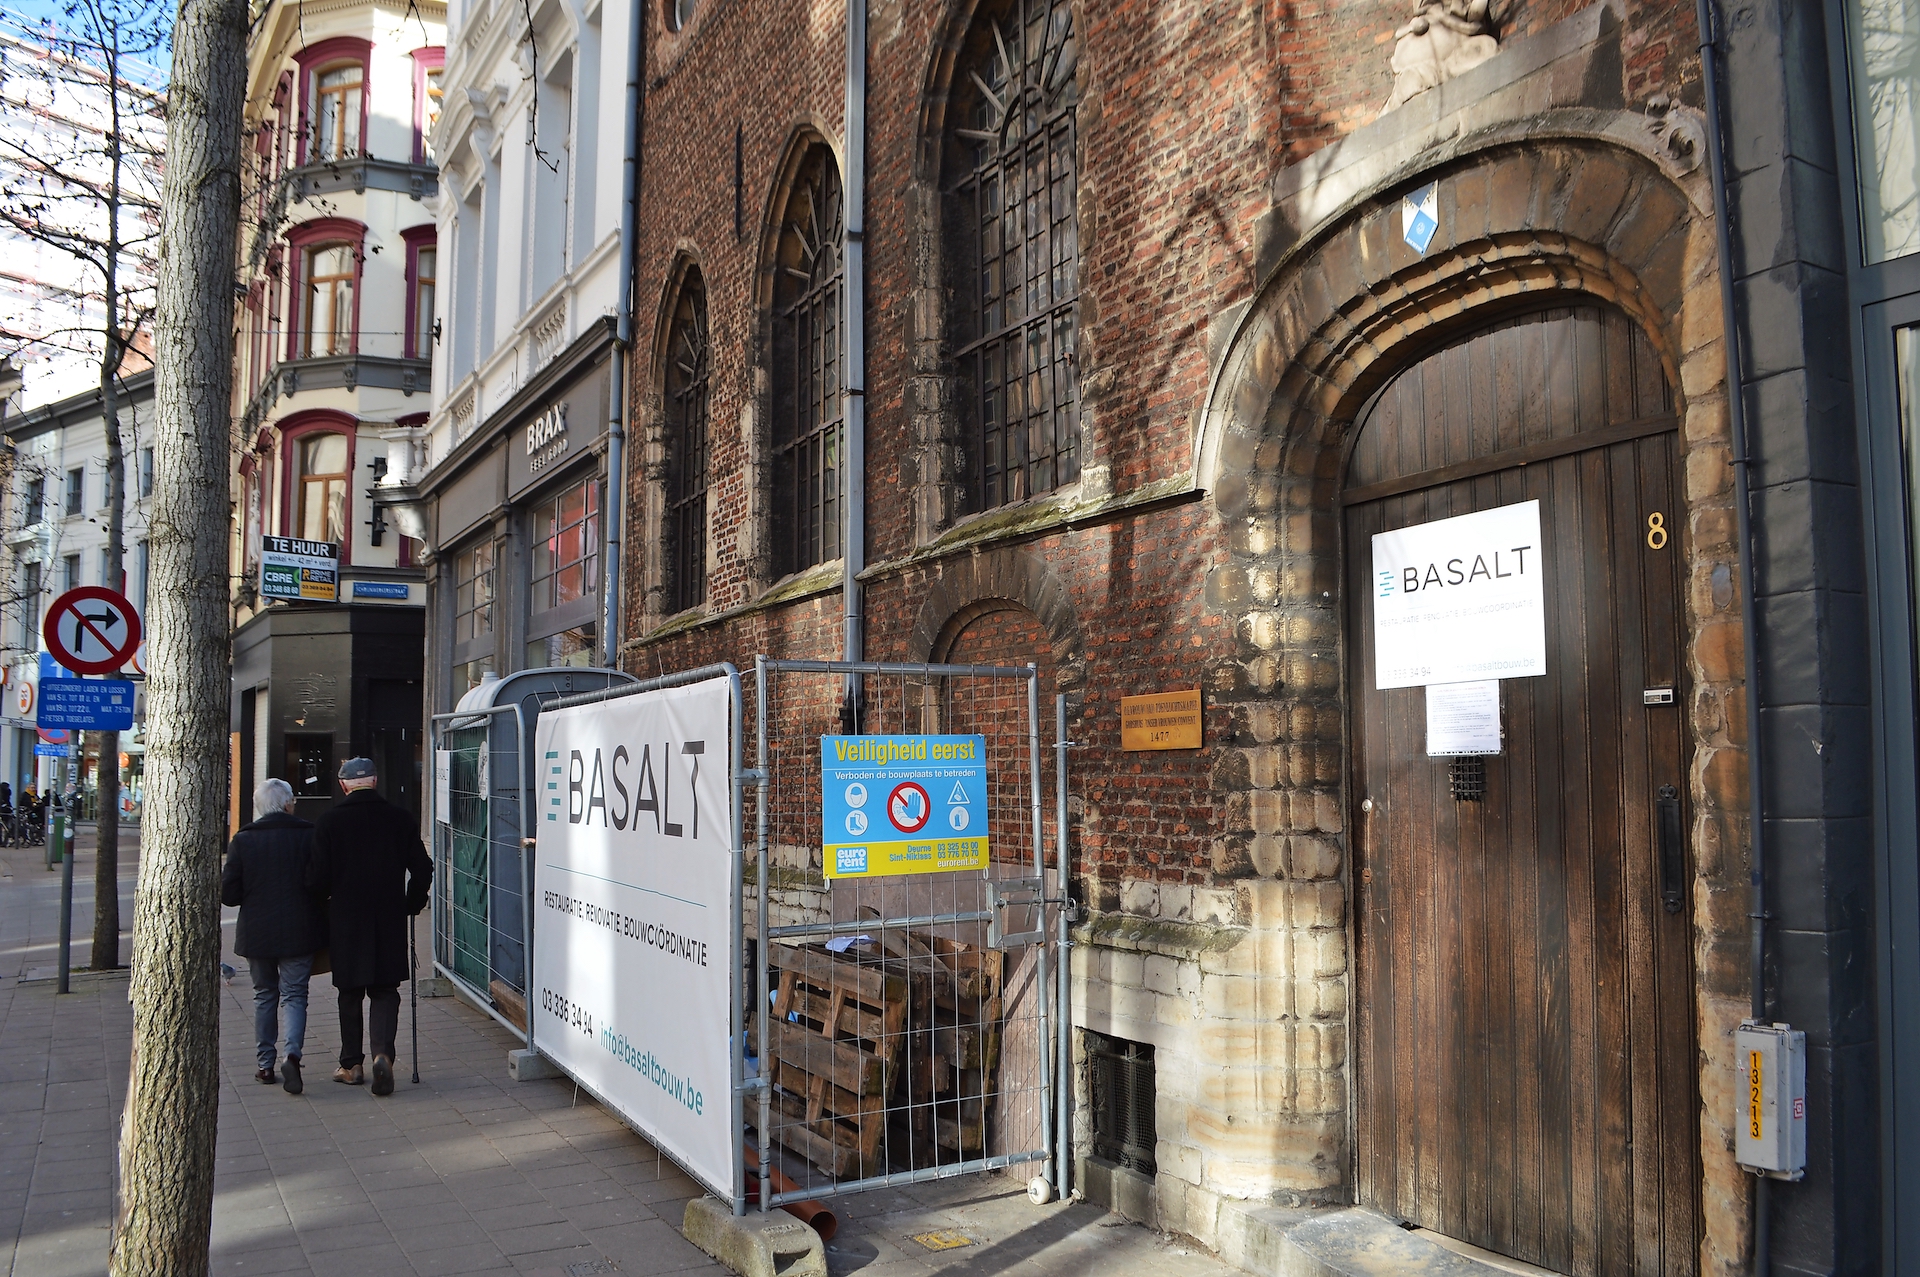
<point>1656,531</point>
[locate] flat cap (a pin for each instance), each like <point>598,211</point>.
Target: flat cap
<point>356,769</point>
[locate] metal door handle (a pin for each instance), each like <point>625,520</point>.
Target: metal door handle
<point>1666,808</point>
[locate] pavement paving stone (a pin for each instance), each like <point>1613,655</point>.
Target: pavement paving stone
<point>465,1173</point>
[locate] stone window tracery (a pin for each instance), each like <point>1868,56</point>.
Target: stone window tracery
<point>808,407</point>
<point>1015,242</point>
<point>688,399</point>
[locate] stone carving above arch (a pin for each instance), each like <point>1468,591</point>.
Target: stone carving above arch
<point>1567,215</point>
<point>966,589</point>
<point>1445,39</point>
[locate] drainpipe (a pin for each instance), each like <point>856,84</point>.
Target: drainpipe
<point>853,556</point>
<point>1743,513</point>
<point>622,362</point>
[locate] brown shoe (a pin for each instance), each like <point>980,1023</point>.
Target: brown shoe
<point>265,1076</point>
<point>349,1076</point>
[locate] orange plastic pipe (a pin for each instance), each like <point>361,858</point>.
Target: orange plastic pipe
<point>812,1214</point>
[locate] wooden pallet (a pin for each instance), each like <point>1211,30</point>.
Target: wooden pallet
<point>956,1055</point>
<point>837,1032</point>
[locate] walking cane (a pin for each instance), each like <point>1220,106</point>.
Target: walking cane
<point>413,998</point>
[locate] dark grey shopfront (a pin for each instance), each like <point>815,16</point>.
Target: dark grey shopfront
<point>516,575</point>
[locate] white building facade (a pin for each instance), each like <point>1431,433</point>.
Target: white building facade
<point>56,528</point>
<point>336,338</point>
<point>513,461</point>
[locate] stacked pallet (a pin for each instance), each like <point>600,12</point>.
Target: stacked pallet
<point>947,1096</point>
<point>888,1058</point>
<point>838,1030</point>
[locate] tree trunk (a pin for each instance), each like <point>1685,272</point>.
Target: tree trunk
<point>106,821</point>
<point>165,1200</point>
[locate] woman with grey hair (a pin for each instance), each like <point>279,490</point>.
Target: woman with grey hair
<point>281,925</point>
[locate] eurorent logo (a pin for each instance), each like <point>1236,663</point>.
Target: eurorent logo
<point>850,860</point>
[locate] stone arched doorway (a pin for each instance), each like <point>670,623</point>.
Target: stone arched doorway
<point>1347,307</point>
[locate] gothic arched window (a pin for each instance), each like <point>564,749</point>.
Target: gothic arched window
<point>808,424</point>
<point>686,399</point>
<point>1016,246</point>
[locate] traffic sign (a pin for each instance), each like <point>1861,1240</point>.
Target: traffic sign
<point>903,804</point>
<point>90,704</point>
<point>92,630</point>
<point>44,750</point>
<point>55,736</point>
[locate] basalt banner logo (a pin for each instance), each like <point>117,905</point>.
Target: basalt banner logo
<point>1460,600</point>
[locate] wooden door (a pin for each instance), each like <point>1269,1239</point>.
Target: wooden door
<point>1525,1062</point>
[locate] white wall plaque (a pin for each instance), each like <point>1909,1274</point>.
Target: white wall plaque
<point>1463,718</point>
<point>1460,600</point>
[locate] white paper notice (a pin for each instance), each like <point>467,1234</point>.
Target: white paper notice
<point>1463,718</point>
<point>443,786</point>
<point>1460,600</point>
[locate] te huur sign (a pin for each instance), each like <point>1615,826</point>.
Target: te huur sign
<point>1161,720</point>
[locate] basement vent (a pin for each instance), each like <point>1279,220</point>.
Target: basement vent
<point>1122,1083</point>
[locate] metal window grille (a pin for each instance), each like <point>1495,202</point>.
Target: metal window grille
<point>1122,1093</point>
<point>687,406</point>
<point>1467,779</point>
<point>1017,201</point>
<point>808,426</point>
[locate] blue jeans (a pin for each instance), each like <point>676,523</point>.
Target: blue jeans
<point>277,983</point>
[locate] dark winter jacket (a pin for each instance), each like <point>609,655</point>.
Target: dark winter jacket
<point>369,862</point>
<point>268,864</point>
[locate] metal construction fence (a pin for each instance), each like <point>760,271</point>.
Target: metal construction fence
<point>889,1021</point>
<point>906,1022</point>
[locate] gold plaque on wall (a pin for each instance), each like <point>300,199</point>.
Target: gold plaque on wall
<point>1161,720</point>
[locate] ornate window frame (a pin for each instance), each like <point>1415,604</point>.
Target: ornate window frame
<point>304,239</point>
<point>323,56</point>
<point>294,430</point>
<point>686,401</point>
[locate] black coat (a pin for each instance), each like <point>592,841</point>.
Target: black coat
<point>369,862</point>
<point>268,864</point>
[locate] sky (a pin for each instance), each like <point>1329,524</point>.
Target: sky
<point>25,17</point>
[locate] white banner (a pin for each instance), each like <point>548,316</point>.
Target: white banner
<point>1460,600</point>
<point>632,986</point>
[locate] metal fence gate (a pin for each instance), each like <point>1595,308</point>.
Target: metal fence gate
<point>907,1027</point>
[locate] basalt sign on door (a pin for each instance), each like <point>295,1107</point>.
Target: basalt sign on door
<point>1460,600</point>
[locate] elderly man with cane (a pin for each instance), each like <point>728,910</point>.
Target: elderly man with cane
<point>369,862</point>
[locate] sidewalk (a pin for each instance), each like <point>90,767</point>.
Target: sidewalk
<point>466,1172</point>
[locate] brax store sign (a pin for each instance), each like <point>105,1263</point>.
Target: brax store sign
<point>1460,600</point>
<point>558,433</point>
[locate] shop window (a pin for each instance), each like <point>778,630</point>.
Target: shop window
<point>337,100</point>
<point>808,426</point>
<point>1120,1077</point>
<point>687,402</point>
<point>563,577</point>
<point>309,764</point>
<point>327,318</point>
<point>76,490</point>
<point>323,488</point>
<point>473,597</point>
<point>1016,239</point>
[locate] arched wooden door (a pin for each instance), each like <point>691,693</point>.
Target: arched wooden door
<point>1525,1042</point>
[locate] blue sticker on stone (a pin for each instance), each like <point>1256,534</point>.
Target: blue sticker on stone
<point>1420,217</point>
